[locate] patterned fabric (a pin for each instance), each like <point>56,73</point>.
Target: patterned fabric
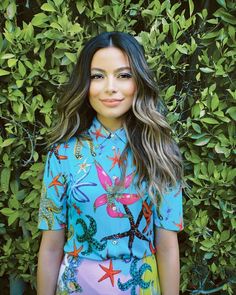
<point>114,276</point>
<point>108,224</point>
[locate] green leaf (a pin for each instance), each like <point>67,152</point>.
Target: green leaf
<point>4,73</point>
<point>213,267</point>
<point>80,5</point>
<point>5,179</point>
<point>231,31</point>
<point>39,19</point>
<point>14,185</point>
<point>209,120</point>
<point>222,150</point>
<point>59,2</point>
<point>71,56</point>
<point>11,62</point>
<point>225,235</point>
<point>12,218</point>
<point>47,7</point>
<point>207,243</point>
<point>11,10</point>
<point>7,142</point>
<point>22,69</point>
<point>97,8</point>
<point>222,3</point>
<point>214,102</point>
<point>191,7</point>
<point>196,127</point>
<point>208,255</point>
<point>170,92</point>
<point>19,83</point>
<point>7,211</point>
<point>225,16</point>
<point>182,49</point>
<point>7,56</point>
<point>232,112</point>
<point>202,141</point>
<point>174,29</point>
<point>207,70</point>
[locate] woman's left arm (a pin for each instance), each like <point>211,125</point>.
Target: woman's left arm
<point>168,261</point>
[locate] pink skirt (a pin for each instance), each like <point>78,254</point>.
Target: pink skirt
<point>108,277</point>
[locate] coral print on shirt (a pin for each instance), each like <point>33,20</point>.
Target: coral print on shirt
<point>109,226</point>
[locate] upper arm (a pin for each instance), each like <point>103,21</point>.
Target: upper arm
<point>53,240</point>
<point>165,240</point>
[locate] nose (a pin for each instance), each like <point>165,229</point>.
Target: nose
<point>111,86</point>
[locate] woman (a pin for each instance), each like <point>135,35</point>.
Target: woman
<point>111,202</point>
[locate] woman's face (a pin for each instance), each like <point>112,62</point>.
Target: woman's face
<point>112,86</point>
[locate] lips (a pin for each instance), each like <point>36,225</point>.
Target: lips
<point>111,102</point>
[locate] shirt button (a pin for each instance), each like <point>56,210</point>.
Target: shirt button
<point>113,147</point>
<point>112,135</point>
<point>114,242</point>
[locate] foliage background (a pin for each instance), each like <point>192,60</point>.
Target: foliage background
<point>191,47</point>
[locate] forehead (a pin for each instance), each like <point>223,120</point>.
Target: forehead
<point>110,58</point>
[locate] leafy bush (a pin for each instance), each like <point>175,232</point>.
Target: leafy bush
<point>191,48</point>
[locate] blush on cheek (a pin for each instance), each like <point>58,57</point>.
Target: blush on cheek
<point>94,89</point>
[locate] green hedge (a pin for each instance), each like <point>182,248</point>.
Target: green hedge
<point>191,47</point>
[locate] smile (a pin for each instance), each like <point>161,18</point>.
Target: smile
<point>111,102</point>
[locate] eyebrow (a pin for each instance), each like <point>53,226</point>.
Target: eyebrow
<point>117,70</point>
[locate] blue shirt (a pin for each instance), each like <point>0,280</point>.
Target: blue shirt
<point>82,192</point>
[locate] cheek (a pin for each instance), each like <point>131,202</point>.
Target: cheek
<point>94,89</point>
<point>130,89</point>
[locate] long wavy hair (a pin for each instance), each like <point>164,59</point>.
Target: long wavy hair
<point>156,156</point>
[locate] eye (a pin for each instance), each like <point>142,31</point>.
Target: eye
<point>125,75</point>
<point>96,76</point>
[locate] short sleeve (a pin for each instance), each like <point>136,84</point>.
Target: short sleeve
<point>170,215</point>
<point>52,209</point>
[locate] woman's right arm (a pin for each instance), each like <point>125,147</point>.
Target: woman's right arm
<point>49,261</point>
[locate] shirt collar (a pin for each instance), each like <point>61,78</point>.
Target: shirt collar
<point>99,133</point>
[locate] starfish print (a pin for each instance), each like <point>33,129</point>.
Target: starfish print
<point>80,143</point>
<point>61,222</point>
<point>70,233</point>
<point>180,224</point>
<point>110,272</point>
<point>101,148</point>
<point>69,276</point>
<point>83,166</point>
<point>132,232</point>
<point>115,160</point>
<point>178,192</point>
<point>136,280</point>
<point>87,236</point>
<point>152,249</point>
<point>56,183</point>
<point>109,197</point>
<point>168,211</point>
<point>98,133</point>
<point>147,212</point>
<point>55,151</point>
<point>75,190</point>
<point>77,209</point>
<point>48,209</point>
<point>76,251</point>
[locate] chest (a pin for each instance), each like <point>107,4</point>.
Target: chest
<point>95,177</point>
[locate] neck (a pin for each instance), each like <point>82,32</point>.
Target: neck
<point>111,124</point>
